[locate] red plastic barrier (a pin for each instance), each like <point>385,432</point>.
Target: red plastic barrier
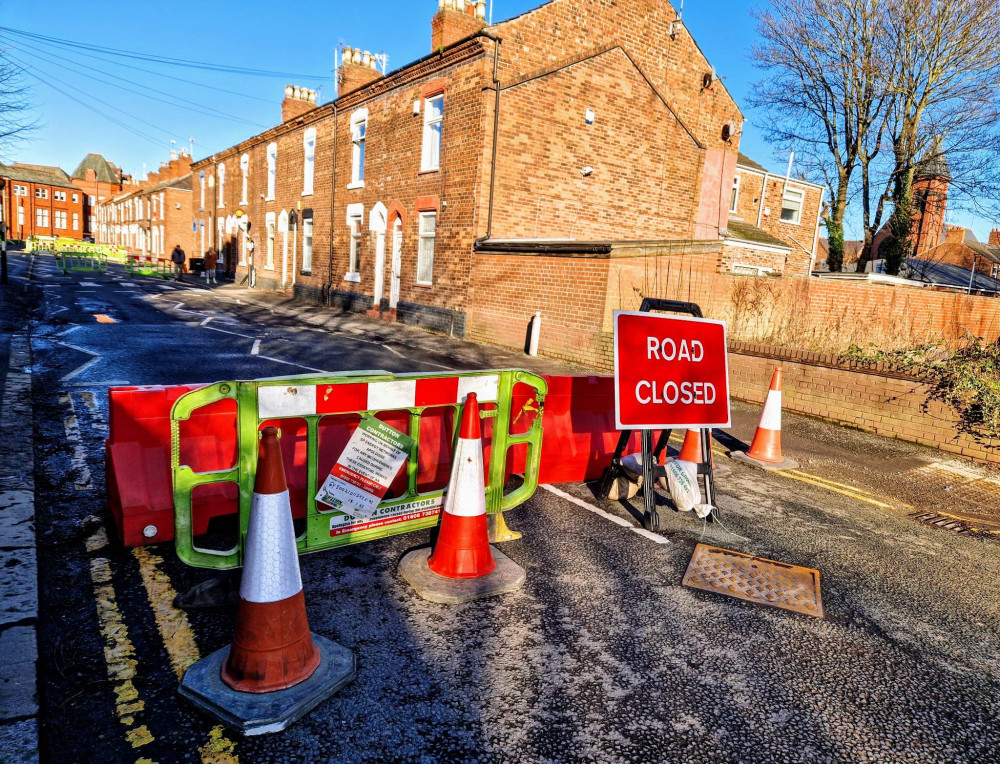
<point>578,440</point>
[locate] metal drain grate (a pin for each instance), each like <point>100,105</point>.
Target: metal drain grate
<point>755,579</point>
<point>947,522</point>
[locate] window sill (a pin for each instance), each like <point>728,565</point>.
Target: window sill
<point>355,185</point>
<point>790,222</point>
<point>242,201</point>
<point>429,171</point>
<point>353,277</point>
<point>423,284</point>
<point>268,267</point>
<point>305,273</point>
<point>307,193</point>
<point>268,198</point>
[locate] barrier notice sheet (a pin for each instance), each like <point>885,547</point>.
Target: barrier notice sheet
<point>365,470</point>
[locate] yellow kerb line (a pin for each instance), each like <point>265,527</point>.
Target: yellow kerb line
<point>178,639</point>
<point>119,654</point>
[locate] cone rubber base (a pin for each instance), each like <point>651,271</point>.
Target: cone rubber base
<point>264,713</point>
<point>507,577</point>
<point>498,530</point>
<point>786,464</point>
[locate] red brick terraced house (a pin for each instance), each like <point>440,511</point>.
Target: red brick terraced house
<point>149,217</point>
<point>500,174</point>
<point>39,200</point>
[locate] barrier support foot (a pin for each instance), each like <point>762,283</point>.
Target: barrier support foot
<point>498,530</point>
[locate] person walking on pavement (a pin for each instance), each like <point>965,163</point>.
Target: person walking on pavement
<point>178,258</point>
<point>211,261</point>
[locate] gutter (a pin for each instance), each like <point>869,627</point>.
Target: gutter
<point>544,247</point>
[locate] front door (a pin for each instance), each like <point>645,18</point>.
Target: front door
<point>379,267</point>
<point>397,262</point>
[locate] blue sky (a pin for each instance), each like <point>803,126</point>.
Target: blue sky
<point>295,38</point>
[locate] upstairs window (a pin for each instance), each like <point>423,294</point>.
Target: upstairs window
<point>222,184</point>
<point>791,206</point>
<point>201,183</point>
<point>76,198</point>
<point>309,161</point>
<point>425,252</point>
<point>245,171</point>
<point>59,196</point>
<point>359,129</point>
<point>20,190</point>
<point>433,119</point>
<point>272,168</point>
<point>41,193</point>
<point>735,198</point>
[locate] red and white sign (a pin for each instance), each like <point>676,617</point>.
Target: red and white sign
<point>670,372</point>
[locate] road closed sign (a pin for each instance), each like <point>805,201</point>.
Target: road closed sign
<point>670,372</point>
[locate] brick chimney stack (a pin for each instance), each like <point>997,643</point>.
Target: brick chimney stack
<point>995,237</point>
<point>954,234</point>
<point>357,69</point>
<point>456,20</point>
<point>297,101</point>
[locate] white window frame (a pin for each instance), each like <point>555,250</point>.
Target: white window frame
<point>221,172</point>
<point>270,225</point>
<point>201,182</point>
<point>245,172</point>
<point>91,200</point>
<point>42,217</point>
<point>272,170</point>
<point>76,198</point>
<point>798,213</point>
<point>308,161</point>
<point>359,133</point>
<point>41,193</point>
<point>423,238</point>
<point>59,219</point>
<point>59,196</point>
<point>355,228</point>
<point>76,221</point>
<point>307,245</point>
<point>734,200</point>
<point>20,190</point>
<point>427,158</point>
<point>20,216</point>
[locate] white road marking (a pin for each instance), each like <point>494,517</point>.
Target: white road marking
<point>606,515</point>
<point>59,310</point>
<point>235,334</point>
<point>78,370</point>
<point>89,284</point>
<point>255,350</point>
<point>103,385</point>
<point>78,458</point>
<point>292,363</point>
<point>207,321</point>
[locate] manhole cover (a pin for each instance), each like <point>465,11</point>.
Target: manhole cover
<point>755,579</point>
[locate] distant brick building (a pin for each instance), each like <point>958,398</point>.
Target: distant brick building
<point>99,180</point>
<point>151,216</point>
<point>39,200</point>
<point>609,126</point>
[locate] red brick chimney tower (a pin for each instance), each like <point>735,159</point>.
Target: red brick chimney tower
<point>456,20</point>
<point>995,237</point>
<point>930,200</point>
<point>297,101</point>
<point>357,69</point>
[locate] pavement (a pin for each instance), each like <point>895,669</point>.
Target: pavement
<point>603,655</point>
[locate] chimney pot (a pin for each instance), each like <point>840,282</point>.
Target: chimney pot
<point>288,91</point>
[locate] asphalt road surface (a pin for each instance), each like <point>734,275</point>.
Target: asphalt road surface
<point>602,656</point>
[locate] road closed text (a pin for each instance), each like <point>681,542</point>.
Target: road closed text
<point>670,372</point>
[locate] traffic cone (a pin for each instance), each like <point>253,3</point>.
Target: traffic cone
<point>691,450</point>
<point>462,565</point>
<point>276,670</point>
<point>765,449</point>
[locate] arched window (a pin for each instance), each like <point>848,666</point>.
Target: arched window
<point>222,184</point>
<point>272,168</point>
<point>309,166</point>
<point>245,170</point>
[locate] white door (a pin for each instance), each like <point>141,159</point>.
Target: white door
<point>397,262</point>
<point>284,261</point>
<point>379,268</point>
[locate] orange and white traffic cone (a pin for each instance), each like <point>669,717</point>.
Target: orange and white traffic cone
<point>691,452</point>
<point>273,648</point>
<point>462,565</point>
<point>765,449</point>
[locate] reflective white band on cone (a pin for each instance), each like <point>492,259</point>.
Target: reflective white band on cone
<point>770,419</point>
<point>271,560</point>
<point>466,496</point>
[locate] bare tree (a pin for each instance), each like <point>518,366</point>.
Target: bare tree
<point>14,105</point>
<point>824,91</point>
<point>943,83</point>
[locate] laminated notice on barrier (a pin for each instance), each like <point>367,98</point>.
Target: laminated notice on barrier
<point>365,470</point>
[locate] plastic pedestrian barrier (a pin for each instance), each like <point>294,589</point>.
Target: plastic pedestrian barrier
<point>317,416</point>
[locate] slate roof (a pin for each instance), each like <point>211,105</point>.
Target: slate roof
<point>105,171</point>
<point>743,231</point>
<point>988,251</point>
<point>36,173</point>
<point>950,275</point>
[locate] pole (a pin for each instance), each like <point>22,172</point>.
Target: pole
<point>972,275</point>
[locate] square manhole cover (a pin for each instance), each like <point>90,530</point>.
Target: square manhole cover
<point>754,579</point>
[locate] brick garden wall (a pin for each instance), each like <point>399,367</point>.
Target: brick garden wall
<point>874,400</point>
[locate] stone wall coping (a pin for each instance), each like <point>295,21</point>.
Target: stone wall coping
<point>827,360</point>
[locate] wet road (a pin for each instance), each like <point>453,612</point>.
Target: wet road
<point>603,656</point>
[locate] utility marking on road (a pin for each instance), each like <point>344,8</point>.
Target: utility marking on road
<point>849,494</point>
<point>207,321</point>
<point>119,654</point>
<point>292,363</point>
<point>235,334</point>
<point>79,458</point>
<point>104,318</point>
<point>255,350</point>
<point>179,641</point>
